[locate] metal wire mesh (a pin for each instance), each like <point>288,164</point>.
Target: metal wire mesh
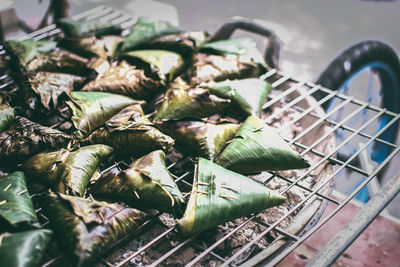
<point>286,94</point>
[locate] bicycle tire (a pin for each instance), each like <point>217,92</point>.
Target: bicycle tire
<point>381,58</point>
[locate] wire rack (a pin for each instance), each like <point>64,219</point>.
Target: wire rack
<point>290,94</point>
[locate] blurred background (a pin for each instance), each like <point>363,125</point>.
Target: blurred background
<point>313,32</point>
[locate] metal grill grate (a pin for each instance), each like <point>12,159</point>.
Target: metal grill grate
<point>289,94</point>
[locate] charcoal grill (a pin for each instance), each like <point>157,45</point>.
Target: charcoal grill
<point>292,104</point>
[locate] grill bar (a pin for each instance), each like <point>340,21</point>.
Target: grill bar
<point>321,186</point>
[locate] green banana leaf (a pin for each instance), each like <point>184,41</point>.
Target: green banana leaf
<point>48,86</point>
<point>146,184</point>
<point>165,64</point>
<point>200,139</point>
<point>247,95</point>
<point>131,132</point>
<point>245,48</point>
<point>219,195</point>
<point>102,47</point>
<point>59,60</point>
<point>16,210</point>
<point>27,50</point>
<point>185,43</point>
<point>92,109</point>
<point>24,249</point>
<point>67,171</point>
<point>83,28</point>
<point>125,80</point>
<point>85,229</point>
<point>181,101</point>
<point>256,148</point>
<point>7,114</point>
<point>146,30</point>
<point>26,138</point>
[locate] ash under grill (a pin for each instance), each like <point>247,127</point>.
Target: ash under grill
<point>300,119</point>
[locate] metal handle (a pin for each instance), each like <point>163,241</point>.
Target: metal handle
<point>274,43</point>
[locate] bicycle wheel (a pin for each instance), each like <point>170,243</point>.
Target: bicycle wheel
<point>374,66</point>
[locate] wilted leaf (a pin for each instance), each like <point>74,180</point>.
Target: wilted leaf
<point>200,139</point>
<point>130,132</point>
<point>86,229</point>
<point>67,171</point>
<point>26,138</point>
<point>87,27</point>
<point>146,184</point>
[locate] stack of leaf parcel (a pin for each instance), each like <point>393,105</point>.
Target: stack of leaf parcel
<point>126,103</point>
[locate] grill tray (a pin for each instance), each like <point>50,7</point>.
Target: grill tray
<point>301,120</point>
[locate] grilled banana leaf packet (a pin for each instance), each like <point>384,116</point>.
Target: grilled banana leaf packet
<point>24,249</point>
<point>43,88</point>
<point>130,132</point>
<point>247,95</point>
<point>219,195</point>
<point>146,184</point>
<point>7,114</point>
<point>146,30</point>
<point>101,47</point>
<point>162,64</point>
<point>182,101</point>
<point>85,228</point>
<point>92,109</point>
<point>87,27</point>
<point>26,51</point>
<point>60,60</point>
<point>236,58</point>
<point>67,171</point>
<point>125,80</point>
<point>26,138</point>
<point>185,43</point>
<point>257,147</point>
<point>200,138</point>
<point>16,208</point>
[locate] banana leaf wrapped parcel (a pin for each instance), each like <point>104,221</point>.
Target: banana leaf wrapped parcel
<point>26,51</point>
<point>146,30</point>
<point>256,147</point>
<point>125,80</point>
<point>45,88</point>
<point>24,249</point>
<point>146,184</point>
<point>60,60</point>
<point>67,171</point>
<point>102,47</point>
<point>219,195</point>
<point>92,109</point>
<point>7,114</point>
<point>182,101</point>
<point>200,138</point>
<point>26,138</point>
<point>163,64</point>
<point>247,95</point>
<point>85,228</point>
<point>228,59</point>
<point>131,132</point>
<point>83,28</point>
<point>185,43</point>
<point>16,208</point>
